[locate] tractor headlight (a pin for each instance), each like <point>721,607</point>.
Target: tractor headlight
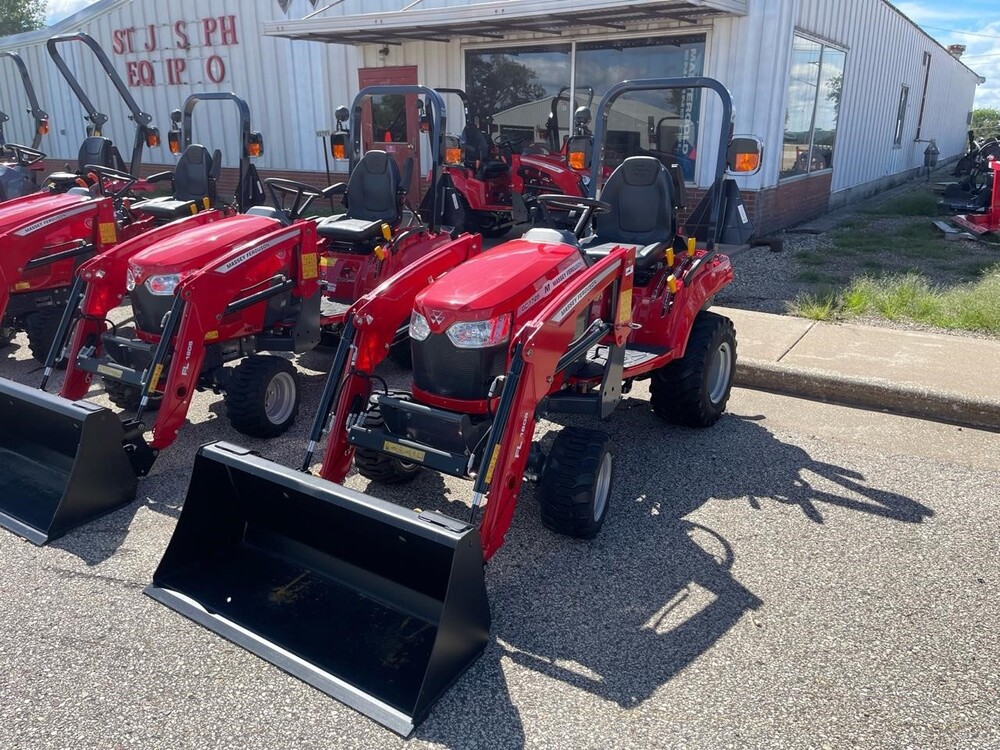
<point>164,284</point>
<point>419,329</point>
<point>480,334</point>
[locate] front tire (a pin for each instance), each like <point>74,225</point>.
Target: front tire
<point>41,327</point>
<point>379,467</point>
<point>575,489</point>
<point>693,390</point>
<point>262,398</point>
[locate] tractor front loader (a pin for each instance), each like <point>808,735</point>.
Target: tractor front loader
<point>384,608</point>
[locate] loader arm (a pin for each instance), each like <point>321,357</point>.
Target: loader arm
<point>204,299</point>
<point>104,277</point>
<point>372,324</point>
<point>538,352</point>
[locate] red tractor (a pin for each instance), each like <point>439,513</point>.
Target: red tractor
<point>205,291</point>
<point>20,164</point>
<point>45,235</point>
<point>384,607</point>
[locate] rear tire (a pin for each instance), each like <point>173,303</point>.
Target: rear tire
<point>575,489</point>
<point>41,327</point>
<point>262,398</point>
<point>378,467</point>
<point>693,390</point>
<point>127,397</point>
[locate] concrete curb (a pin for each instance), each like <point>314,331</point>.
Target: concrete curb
<point>869,393</point>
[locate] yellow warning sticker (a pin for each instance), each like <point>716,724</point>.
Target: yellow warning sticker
<point>155,380</point>
<point>625,307</point>
<point>111,372</point>
<point>310,266</point>
<point>493,464</point>
<point>22,285</point>
<point>109,232</point>
<point>325,261</point>
<point>211,336</point>
<point>402,450</point>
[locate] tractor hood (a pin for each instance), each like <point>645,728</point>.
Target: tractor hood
<point>193,249</point>
<point>516,277</point>
<point>34,212</point>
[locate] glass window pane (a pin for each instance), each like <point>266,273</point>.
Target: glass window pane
<point>904,94</point>
<point>663,123</point>
<point>831,84</point>
<point>803,85</point>
<point>512,90</point>
<point>389,118</point>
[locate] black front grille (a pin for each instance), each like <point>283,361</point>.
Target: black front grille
<point>149,309</point>
<point>441,368</point>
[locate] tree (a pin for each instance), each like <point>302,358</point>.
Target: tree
<point>17,16</point>
<point>986,122</point>
<point>496,83</point>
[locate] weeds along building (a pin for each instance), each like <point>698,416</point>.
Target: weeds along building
<point>846,95</point>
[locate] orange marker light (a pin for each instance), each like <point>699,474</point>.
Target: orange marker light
<point>452,155</point>
<point>577,159</point>
<point>255,149</point>
<point>746,162</point>
<point>339,151</point>
<point>43,127</point>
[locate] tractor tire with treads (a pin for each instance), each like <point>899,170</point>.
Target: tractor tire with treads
<point>575,488</point>
<point>693,390</point>
<point>262,397</point>
<point>41,327</point>
<point>378,467</point>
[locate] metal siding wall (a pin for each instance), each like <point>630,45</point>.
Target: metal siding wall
<point>884,52</point>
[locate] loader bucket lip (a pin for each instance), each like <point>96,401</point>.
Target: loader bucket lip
<point>336,688</point>
<point>72,455</point>
<point>241,507</point>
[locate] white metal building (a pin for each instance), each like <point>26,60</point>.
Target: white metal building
<point>845,94</point>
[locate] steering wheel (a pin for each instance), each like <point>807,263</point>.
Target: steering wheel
<point>304,194</point>
<point>24,155</point>
<point>107,173</point>
<point>590,207</point>
<point>507,144</point>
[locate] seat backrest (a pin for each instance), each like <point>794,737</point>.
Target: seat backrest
<point>475,147</point>
<point>193,174</point>
<point>641,203</point>
<point>99,151</point>
<point>373,189</point>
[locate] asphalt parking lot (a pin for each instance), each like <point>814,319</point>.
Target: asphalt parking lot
<point>798,576</point>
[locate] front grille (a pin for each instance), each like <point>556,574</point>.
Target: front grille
<point>149,309</point>
<point>441,368</point>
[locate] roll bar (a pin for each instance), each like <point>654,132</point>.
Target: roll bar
<point>36,110</point>
<point>98,119</point>
<point>657,84</point>
<point>438,123</point>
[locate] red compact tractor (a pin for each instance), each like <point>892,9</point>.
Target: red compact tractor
<point>205,291</point>
<point>19,164</point>
<point>384,607</point>
<point>489,193</point>
<point>45,235</point>
<point>988,220</point>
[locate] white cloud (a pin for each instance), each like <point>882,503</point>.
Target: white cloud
<point>57,10</point>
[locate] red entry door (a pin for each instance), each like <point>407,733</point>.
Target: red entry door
<point>391,123</point>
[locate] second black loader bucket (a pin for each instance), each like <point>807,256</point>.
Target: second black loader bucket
<point>61,463</point>
<point>380,607</point>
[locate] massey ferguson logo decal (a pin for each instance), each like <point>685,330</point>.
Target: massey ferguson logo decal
<point>436,317</point>
<point>50,220</point>
<point>243,257</point>
<point>547,288</point>
<point>566,309</point>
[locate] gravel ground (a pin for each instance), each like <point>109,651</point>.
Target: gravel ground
<point>799,576</point>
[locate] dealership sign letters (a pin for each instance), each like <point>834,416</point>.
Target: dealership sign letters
<point>177,45</point>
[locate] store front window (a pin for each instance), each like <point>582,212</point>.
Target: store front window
<point>815,84</point>
<point>524,93</point>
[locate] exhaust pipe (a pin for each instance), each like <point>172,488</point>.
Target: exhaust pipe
<point>62,463</point>
<point>379,607</point>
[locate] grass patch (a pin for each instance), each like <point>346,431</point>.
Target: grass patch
<point>917,202</point>
<point>817,277</point>
<point>809,258</point>
<point>912,297</point>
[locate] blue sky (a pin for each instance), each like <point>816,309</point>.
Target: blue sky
<point>974,23</point>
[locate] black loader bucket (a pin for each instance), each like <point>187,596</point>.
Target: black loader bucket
<point>376,605</point>
<point>61,463</point>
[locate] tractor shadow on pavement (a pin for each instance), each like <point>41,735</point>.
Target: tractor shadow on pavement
<point>622,615</point>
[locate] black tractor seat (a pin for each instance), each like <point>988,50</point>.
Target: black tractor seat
<point>641,216</point>
<point>94,150</point>
<point>373,198</point>
<point>194,180</point>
